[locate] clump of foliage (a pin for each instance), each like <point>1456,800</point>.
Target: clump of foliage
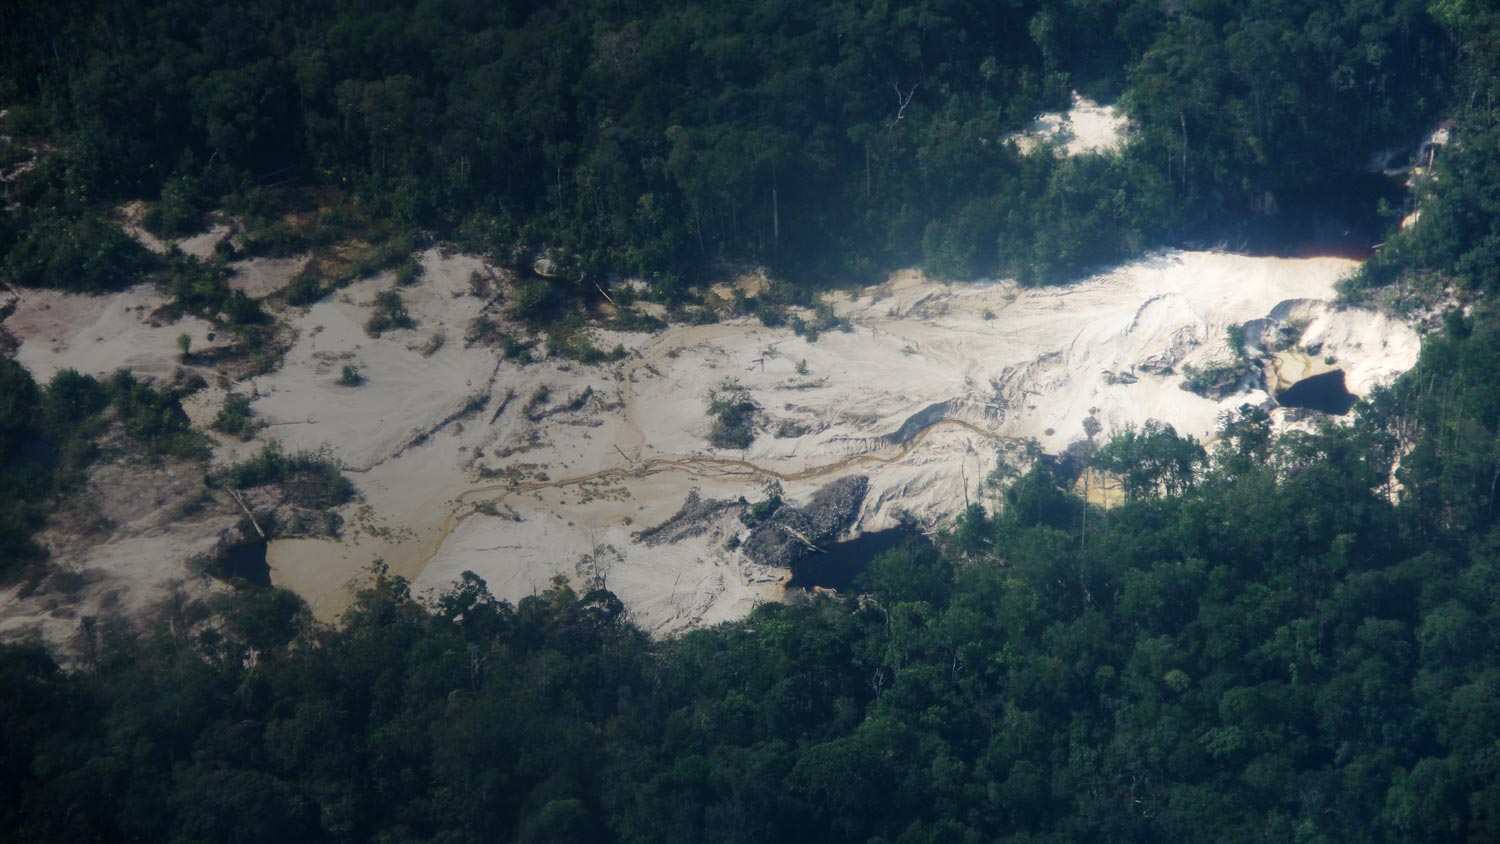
<point>1151,461</point>
<point>314,479</point>
<point>408,272</point>
<point>77,252</point>
<point>1215,380</point>
<point>305,288</point>
<point>155,418</point>
<point>764,508</point>
<point>236,418</point>
<point>202,288</point>
<point>387,312</point>
<point>535,300</point>
<point>485,331</point>
<point>822,319</point>
<point>46,443</point>
<point>516,351</point>
<point>349,376</point>
<point>1234,335</point>
<point>574,343</point>
<point>181,211</point>
<point>539,397</point>
<point>633,319</point>
<point>734,413</point>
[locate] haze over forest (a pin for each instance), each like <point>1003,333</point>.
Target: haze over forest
<point>1048,420</point>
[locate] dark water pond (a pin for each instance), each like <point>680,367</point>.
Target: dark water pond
<point>837,567</point>
<point>247,562</point>
<point>1324,392</point>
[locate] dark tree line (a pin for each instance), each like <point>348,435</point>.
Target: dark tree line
<point>660,138</point>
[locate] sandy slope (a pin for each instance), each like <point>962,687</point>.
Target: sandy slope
<point>921,396</point>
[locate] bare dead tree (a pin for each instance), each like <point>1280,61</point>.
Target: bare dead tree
<point>902,101</point>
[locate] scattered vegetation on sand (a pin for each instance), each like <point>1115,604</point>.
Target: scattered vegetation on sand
<point>387,312</point>
<point>764,508</point>
<point>1216,380</point>
<point>735,413</point>
<point>154,418</point>
<point>311,478</point>
<point>236,418</point>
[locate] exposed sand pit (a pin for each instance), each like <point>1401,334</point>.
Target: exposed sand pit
<point>520,473</point>
<point>1086,127</point>
<point>919,396</point>
<point>97,335</point>
<point>260,277</point>
<point>132,221</point>
<point>202,245</point>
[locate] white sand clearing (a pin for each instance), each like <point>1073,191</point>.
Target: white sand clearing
<point>918,396</point>
<point>1086,127</point>
<point>461,467</point>
<point>260,277</point>
<point>97,335</point>
<point>201,245</point>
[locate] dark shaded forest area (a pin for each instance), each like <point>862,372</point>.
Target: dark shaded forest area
<point>1295,639</point>
<point>830,141</point>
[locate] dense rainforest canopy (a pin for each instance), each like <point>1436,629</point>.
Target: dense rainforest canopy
<point>1272,639</point>
<point>829,140</point>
